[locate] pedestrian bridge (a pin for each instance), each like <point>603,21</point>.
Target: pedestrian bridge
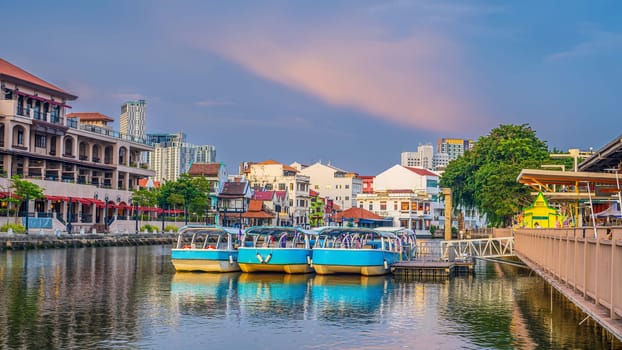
<point>477,248</point>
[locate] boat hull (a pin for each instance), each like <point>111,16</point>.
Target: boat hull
<point>205,260</point>
<point>284,260</point>
<point>366,262</point>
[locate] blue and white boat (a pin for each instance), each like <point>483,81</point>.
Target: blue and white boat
<point>206,248</point>
<point>407,241</point>
<point>355,250</point>
<point>276,249</point>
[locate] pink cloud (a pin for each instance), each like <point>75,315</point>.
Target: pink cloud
<point>417,81</point>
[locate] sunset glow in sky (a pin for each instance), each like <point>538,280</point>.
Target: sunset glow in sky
<point>350,82</point>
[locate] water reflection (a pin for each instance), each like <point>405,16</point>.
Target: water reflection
<point>349,299</point>
<point>130,297</point>
<point>265,296</point>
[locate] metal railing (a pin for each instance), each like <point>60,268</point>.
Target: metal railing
<point>477,248</point>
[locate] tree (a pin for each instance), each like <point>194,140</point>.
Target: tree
<point>485,177</point>
<point>25,190</point>
<point>191,192</point>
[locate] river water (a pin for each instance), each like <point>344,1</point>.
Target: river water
<point>131,298</point>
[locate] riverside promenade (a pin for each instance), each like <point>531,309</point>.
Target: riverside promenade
<point>46,241</point>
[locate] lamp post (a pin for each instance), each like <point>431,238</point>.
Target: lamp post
<point>27,201</point>
<point>106,214</point>
<point>136,215</point>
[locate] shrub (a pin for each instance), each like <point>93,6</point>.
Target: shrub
<point>170,228</point>
<point>432,229</point>
<point>148,228</point>
<point>17,228</point>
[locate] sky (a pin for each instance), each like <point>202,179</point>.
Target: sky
<point>350,83</point>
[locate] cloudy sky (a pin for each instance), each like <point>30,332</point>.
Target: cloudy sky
<point>353,83</point>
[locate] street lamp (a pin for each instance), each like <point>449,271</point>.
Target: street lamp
<point>106,214</point>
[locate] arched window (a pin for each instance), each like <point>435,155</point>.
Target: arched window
<point>122,156</point>
<point>68,146</point>
<point>108,155</point>
<point>18,136</point>
<point>83,151</point>
<point>96,150</point>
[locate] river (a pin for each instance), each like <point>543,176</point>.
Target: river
<point>131,298</point>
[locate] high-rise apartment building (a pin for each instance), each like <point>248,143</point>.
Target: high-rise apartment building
<point>133,118</point>
<point>453,147</point>
<point>173,156</point>
<point>423,158</point>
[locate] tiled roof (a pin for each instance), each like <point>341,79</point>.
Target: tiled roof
<point>233,188</point>
<point>9,70</point>
<point>148,182</point>
<point>91,116</point>
<point>204,169</point>
<point>255,205</point>
<point>420,171</point>
<point>263,195</point>
<point>357,213</point>
<point>274,162</point>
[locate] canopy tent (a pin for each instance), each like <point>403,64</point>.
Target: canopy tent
<point>612,211</point>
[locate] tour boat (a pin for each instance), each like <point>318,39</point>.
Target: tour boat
<point>275,249</point>
<point>355,250</point>
<point>408,241</point>
<point>206,248</point>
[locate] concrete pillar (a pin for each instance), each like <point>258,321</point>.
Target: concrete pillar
<point>447,196</point>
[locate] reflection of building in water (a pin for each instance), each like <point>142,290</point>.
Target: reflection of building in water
<point>85,294</point>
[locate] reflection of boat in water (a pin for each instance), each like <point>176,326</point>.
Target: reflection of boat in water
<point>203,284</point>
<point>355,250</point>
<point>275,249</point>
<point>205,248</point>
<point>353,297</point>
<point>273,286</point>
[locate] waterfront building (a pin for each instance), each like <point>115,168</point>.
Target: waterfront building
<point>368,183</point>
<point>271,175</point>
<point>267,208</point>
<point>317,211</point>
<point>233,201</point>
<point>216,174</point>
<point>334,183</point>
<point>407,195</point>
<point>86,168</point>
<point>423,158</point>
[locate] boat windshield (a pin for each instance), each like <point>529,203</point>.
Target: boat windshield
<point>206,237</point>
<point>276,237</point>
<point>353,237</point>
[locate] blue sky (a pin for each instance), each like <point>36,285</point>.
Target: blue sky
<point>350,82</point>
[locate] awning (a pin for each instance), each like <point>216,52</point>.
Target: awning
<point>7,194</point>
<point>84,201</point>
<point>56,198</point>
<point>98,203</point>
<point>39,98</point>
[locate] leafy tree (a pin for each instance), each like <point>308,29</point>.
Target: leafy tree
<point>485,177</point>
<point>190,192</point>
<point>25,190</point>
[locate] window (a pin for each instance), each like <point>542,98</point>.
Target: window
<point>347,187</point>
<point>394,205</point>
<point>316,187</point>
<point>282,187</point>
<point>404,206</point>
<point>383,205</point>
<point>347,198</point>
<point>371,206</point>
<point>20,137</point>
<point>40,141</point>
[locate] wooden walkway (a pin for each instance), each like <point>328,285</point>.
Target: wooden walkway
<point>431,269</point>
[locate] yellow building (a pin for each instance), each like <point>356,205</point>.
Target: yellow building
<point>540,214</point>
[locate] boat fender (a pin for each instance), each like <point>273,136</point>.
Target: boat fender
<point>309,261</point>
<point>230,259</point>
<point>260,258</point>
<point>268,258</point>
<point>386,265</point>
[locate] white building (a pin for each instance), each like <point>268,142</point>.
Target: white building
<point>133,119</point>
<point>423,158</point>
<point>333,183</point>
<point>173,156</point>
<point>271,175</point>
<point>406,194</point>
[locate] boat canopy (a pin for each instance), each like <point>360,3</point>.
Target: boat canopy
<point>207,229</point>
<point>276,230</point>
<point>336,231</point>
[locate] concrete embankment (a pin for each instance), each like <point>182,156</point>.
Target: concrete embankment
<point>45,241</point>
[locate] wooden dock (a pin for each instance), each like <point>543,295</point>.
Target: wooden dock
<point>431,269</point>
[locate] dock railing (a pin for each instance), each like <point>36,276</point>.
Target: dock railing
<point>584,261</point>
